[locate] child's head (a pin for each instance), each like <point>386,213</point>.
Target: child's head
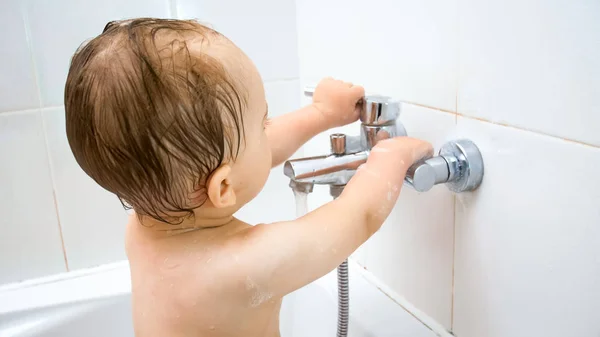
<point>168,115</point>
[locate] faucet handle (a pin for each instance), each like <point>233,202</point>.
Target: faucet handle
<point>379,110</point>
<point>338,143</point>
<point>459,165</point>
<point>375,110</point>
<point>424,174</point>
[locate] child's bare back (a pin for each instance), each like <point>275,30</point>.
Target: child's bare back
<point>192,285</point>
<point>171,117</point>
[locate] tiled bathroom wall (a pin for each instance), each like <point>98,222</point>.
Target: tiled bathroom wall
<point>520,257</point>
<point>54,217</point>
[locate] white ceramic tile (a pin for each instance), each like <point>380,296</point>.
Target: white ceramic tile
<point>30,244</point>
<point>18,89</point>
<point>405,49</point>
<point>276,201</point>
<point>264,29</point>
<point>283,96</point>
<point>58,28</point>
<point>533,64</point>
<point>528,241</point>
<point>92,219</point>
<point>413,251</point>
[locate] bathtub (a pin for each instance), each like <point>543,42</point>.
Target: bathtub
<point>96,303</point>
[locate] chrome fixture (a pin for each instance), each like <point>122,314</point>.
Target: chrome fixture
<point>459,164</point>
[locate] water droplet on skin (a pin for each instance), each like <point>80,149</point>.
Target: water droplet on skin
<point>195,241</point>
<point>212,327</point>
<point>208,261</point>
<point>166,260</point>
<point>171,285</point>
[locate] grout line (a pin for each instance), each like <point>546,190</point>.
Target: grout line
<point>173,9</point>
<point>52,107</point>
<point>36,76</point>
<point>428,321</point>
<point>51,171</point>
<point>457,92</point>
<point>453,266</point>
<point>62,240</point>
<point>16,112</point>
<point>44,131</point>
<point>429,107</point>
<point>528,130</point>
<point>542,133</point>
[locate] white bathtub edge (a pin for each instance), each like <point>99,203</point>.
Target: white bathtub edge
<point>63,276</point>
<point>102,282</point>
<point>427,320</point>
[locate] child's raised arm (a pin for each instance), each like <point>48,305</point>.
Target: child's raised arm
<point>282,257</point>
<point>334,104</point>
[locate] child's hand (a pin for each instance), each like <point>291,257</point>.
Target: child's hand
<point>338,101</point>
<point>399,153</point>
<point>378,182</point>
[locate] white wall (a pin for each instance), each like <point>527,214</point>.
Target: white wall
<point>521,256</point>
<point>53,217</point>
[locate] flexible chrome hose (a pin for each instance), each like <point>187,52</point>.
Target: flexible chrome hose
<point>343,282</point>
<point>343,299</point>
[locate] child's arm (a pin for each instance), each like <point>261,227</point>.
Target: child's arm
<point>282,257</point>
<point>334,104</point>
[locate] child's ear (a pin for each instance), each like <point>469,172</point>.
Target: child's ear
<point>219,189</point>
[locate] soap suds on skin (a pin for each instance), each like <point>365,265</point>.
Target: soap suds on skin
<point>258,296</point>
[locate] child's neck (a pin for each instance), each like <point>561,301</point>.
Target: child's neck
<point>201,219</point>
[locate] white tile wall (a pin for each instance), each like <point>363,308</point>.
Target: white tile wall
<point>17,82</point>
<point>30,243</point>
<point>264,29</point>
<point>527,262</point>
<point>533,64</point>
<point>527,243</point>
<point>92,219</point>
<point>414,249</point>
<point>276,200</point>
<point>402,48</point>
<point>57,29</point>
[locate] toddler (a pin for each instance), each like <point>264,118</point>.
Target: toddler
<point>171,117</point>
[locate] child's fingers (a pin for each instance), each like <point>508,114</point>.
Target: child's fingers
<point>357,91</point>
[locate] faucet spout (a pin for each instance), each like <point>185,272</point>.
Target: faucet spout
<point>325,170</point>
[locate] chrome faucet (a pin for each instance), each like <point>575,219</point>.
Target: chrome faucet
<point>459,164</point>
